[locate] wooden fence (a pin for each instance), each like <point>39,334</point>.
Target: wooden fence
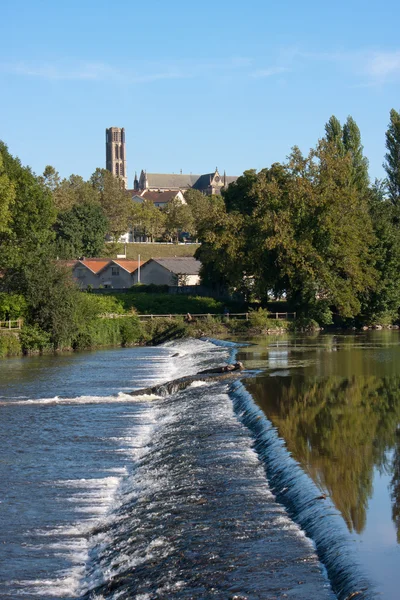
<point>17,324</point>
<point>245,316</point>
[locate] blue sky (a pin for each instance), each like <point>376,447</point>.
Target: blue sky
<point>195,84</point>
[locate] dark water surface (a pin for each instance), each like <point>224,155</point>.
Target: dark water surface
<point>335,400</point>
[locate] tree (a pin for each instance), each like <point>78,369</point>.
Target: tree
<point>114,200</point>
<point>300,229</point>
<point>392,157</point>
<point>179,219</point>
<point>81,231</point>
<point>352,145</point>
<point>203,208</point>
<point>147,219</point>
<point>334,134</point>
<point>32,214</point>
<point>50,178</point>
<point>7,197</point>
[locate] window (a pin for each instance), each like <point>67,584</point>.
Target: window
<point>117,169</point>
<point>121,170</point>
<point>116,152</point>
<point>114,271</point>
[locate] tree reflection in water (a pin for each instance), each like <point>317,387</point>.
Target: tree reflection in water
<point>339,429</point>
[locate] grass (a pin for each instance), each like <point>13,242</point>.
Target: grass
<point>148,251</point>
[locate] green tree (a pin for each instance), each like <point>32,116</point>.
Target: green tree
<point>148,220</point>
<point>179,219</point>
<point>334,134</point>
<point>203,208</point>
<point>352,145</point>
<point>81,231</point>
<point>7,197</point>
<point>32,214</point>
<point>392,157</point>
<point>114,200</point>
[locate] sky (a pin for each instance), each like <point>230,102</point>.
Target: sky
<point>196,84</point>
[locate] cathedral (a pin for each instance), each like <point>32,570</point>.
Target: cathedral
<point>209,183</point>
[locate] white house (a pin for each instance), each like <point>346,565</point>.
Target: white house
<point>171,271</point>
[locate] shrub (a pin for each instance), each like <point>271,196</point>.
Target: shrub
<point>304,324</point>
<point>130,330</point>
<point>34,339</point>
<point>9,345</point>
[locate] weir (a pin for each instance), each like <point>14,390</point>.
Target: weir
<point>205,522</point>
<point>198,520</point>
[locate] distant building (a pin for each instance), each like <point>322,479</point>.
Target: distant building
<point>171,271</point>
<point>159,199</point>
<point>116,153</point>
<point>210,183</point>
<point>119,274</point>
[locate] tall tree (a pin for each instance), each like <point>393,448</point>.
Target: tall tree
<point>392,157</point>
<point>352,145</point>
<point>32,214</point>
<point>334,133</point>
<point>81,231</point>
<point>7,197</point>
<point>179,219</point>
<point>114,200</point>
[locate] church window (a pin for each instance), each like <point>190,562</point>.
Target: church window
<point>117,169</point>
<point>121,170</point>
<point>116,152</point>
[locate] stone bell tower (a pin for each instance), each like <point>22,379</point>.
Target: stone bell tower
<point>116,153</point>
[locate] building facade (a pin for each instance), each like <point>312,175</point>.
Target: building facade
<point>116,153</point>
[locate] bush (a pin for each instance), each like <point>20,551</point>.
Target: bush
<point>151,288</point>
<point>304,324</point>
<point>260,321</point>
<point>9,345</point>
<point>130,330</point>
<point>34,339</point>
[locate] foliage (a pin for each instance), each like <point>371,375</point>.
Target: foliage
<point>161,304</point>
<point>148,250</point>
<point>204,210</point>
<point>9,345</point>
<point>7,197</point>
<point>12,306</point>
<point>34,339</point>
<point>300,229</point>
<point>179,219</point>
<point>114,200</point>
<point>32,214</point>
<point>260,321</point>
<point>392,157</point>
<point>148,219</point>
<point>81,231</point>
<point>130,331</point>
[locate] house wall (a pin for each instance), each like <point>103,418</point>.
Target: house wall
<point>152,272</point>
<point>85,277</point>
<point>120,281</point>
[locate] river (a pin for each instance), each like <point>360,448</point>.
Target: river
<point>104,495</point>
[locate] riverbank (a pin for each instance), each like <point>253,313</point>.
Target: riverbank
<point>127,331</point>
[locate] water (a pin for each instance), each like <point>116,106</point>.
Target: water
<point>107,496</point>
<point>104,495</point>
<point>335,401</point>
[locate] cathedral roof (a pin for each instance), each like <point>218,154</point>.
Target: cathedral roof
<point>170,180</point>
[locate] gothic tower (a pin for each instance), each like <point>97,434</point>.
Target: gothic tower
<point>115,153</point>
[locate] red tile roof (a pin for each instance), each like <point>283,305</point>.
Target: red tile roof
<point>127,264</point>
<point>94,264</point>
